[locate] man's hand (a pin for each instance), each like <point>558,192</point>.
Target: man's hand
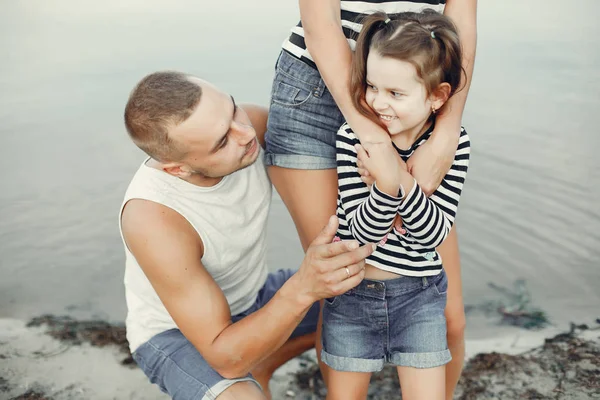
<point>433,159</point>
<point>330,269</point>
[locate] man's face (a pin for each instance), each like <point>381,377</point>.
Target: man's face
<point>218,137</point>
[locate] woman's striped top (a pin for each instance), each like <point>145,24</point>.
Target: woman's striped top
<point>352,12</point>
<point>367,215</point>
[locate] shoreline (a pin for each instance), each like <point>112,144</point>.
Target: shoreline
<point>58,358</point>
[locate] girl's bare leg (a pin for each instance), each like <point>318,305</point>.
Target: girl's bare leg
<point>348,385</point>
<point>311,198</point>
<point>422,384</point>
<point>455,311</point>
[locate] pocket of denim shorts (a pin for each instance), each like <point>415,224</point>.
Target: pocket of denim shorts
<point>332,302</point>
<point>289,95</point>
<point>441,287</point>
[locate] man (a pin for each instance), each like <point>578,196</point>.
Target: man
<point>203,312</point>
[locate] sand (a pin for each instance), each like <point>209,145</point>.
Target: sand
<point>89,361</point>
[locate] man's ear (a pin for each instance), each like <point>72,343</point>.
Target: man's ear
<point>440,95</point>
<point>176,169</point>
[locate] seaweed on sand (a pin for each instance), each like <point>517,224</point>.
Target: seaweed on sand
<point>97,333</point>
<point>564,366</point>
<point>516,308</point>
<point>31,395</point>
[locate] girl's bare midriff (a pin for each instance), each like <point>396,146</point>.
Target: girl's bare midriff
<point>377,274</point>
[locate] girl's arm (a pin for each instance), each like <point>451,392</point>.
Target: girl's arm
<point>432,160</point>
<point>429,220</point>
<point>326,43</point>
<point>369,213</point>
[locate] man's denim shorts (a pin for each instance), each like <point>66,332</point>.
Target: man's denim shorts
<point>399,322</point>
<point>303,118</point>
<point>174,364</point>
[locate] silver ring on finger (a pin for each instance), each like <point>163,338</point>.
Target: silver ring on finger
<point>347,273</point>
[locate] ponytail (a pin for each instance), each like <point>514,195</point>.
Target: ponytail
<point>372,25</point>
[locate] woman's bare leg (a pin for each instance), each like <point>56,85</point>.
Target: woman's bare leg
<point>455,311</point>
<point>422,384</point>
<point>348,385</point>
<point>311,198</point>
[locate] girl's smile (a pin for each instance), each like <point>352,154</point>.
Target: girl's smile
<point>387,118</point>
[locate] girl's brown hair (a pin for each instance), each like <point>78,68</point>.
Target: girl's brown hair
<point>427,39</point>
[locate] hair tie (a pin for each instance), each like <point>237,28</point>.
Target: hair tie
<point>386,21</point>
<point>432,35</point>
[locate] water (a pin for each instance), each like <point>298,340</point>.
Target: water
<point>529,208</point>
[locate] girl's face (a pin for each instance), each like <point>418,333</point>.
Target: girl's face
<point>397,96</point>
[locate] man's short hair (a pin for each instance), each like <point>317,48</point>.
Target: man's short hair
<point>159,102</point>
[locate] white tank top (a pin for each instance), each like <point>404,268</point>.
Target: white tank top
<point>231,219</point>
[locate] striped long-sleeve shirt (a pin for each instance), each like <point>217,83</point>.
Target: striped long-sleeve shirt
<point>367,215</point>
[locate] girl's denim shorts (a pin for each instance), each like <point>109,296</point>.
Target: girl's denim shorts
<point>303,118</point>
<point>399,322</point>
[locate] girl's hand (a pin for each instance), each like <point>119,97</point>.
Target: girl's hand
<point>383,163</point>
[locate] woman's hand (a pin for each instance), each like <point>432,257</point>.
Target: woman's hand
<point>383,163</point>
<point>365,176</point>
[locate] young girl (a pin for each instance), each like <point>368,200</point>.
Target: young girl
<point>404,70</point>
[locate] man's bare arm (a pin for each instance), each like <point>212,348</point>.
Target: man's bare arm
<point>169,251</point>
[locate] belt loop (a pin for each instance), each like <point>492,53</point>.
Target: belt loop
<point>319,89</point>
<point>425,283</point>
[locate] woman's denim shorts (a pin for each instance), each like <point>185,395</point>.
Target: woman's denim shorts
<point>399,322</point>
<point>303,118</point>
